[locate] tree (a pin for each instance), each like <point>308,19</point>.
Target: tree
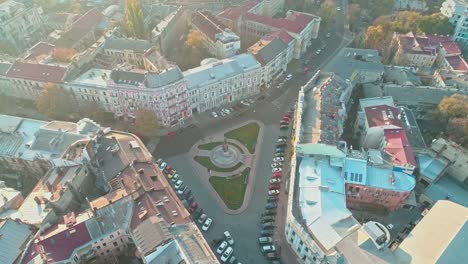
<point>455,105</point>
<point>64,54</point>
<point>327,13</point>
<point>92,110</point>
<point>146,123</point>
<point>375,37</point>
<point>457,130</point>
<point>56,103</point>
<point>354,12</point>
<point>194,39</point>
<point>134,19</point>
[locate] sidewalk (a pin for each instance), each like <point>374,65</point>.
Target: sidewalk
<point>202,172</point>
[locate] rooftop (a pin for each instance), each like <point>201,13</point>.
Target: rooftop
<point>124,44</point>
<point>281,34</point>
<point>94,77</point>
<point>14,236</point>
<point>233,13</point>
<point>398,146</point>
<point>429,166</point>
<point>37,72</point>
<point>382,115</point>
<point>212,27</point>
<point>450,47</point>
<point>415,95</point>
<point>86,23</point>
<point>9,195</point>
<point>457,63</point>
<point>220,70</point>
<point>401,75</point>
<point>349,63</point>
<point>295,22</point>
<point>446,221</point>
<point>41,49</point>
<point>267,50</point>
<point>447,188</point>
<point>376,101</point>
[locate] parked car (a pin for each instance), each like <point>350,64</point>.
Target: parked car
<point>272,198</point>
<point>202,218</point>
<point>265,240</point>
<point>279,154</point>
<point>273,192</point>
<point>193,206</point>
<point>278,159</point>
<point>269,212</point>
<point>226,111</point>
<point>276,170</point>
<point>159,161</point>
<point>171,174</point>
<point>268,249</point>
<point>283,137</point>
<point>221,247</point>
<point>281,145</point>
<point>284,127</point>
<point>178,184</point>
<point>276,164</point>
<point>338,8</point>
<point>270,205</point>
<point>182,189</point>
<point>207,224</point>
<point>163,165</point>
<point>328,35</point>
<point>276,175</point>
<point>306,62</point>
<point>187,193</point>
<point>167,169</point>
<point>245,103</point>
<point>289,77</point>
<point>175,178</point>
<point>281,140</point>
<point>269,218</point>
<point>268,225</point>
<point>227,254</point>
<point>275,180</point>
<point>279,150</point>
<point>232,260</point>
<point>272,256</point>
<point>318,51</point>
<point>190,198</point>
<point>267,232</point>
<point>223,114</point>
<point>274,186</point>
<point>214,114</point>
<point>197,213</point>
<point>229,238</point>
<point>250,100</point>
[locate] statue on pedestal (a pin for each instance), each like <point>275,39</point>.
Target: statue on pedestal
<point>225,146</point>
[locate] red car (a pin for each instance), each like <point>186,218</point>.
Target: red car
<point>274,186</point>
<point>276,175</point>
<point>167,169</point>
<point>288,114</point>
<point>285,119</point>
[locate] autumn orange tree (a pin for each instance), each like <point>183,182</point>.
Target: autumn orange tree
<point>64,54</point>
<point>194,39</point>
<point>146,123</point>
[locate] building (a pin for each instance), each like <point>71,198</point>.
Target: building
<point>456,155</point>
<point>219,40</point>
<point>448,222</point>
<point>124,92</point>
<point>5,85</point>
<point>14,238</point>
<point>401,75</point>
<point>272,53</point>
<point>449,79</point>
<point>252,26</point>
<point>10,198</point>
<point>416,5</point>
<point>221,82</point>
<point>359,66</point>
<point>21,24</point>
<point>268,8</point>
<point>455,10</point>
<point>165,32</point>
<point>125,50</point>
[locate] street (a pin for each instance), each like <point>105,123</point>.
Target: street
<point>245,227</point>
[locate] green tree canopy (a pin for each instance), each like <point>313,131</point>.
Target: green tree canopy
<point>327,13</point>
<point>134,24</point>
<point>146,123</point>
<point>57,103</point>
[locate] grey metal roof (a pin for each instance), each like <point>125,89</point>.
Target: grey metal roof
<point>137,45</point>
<point>54,141</point>
<point>169,253</point>
<point>414,95</point>
<point>447,189</point>
<point>271,50</point>
<point>350,60</point>
<point>168,76</point>
<point>13,237</point>
<point>128,78</point>
<point>221,70</point>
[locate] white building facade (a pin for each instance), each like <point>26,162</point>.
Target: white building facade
<point>457,12</point>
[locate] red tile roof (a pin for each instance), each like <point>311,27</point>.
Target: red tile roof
<point>233,13</point>
<point>281,34</point>
<point>41,48</point>
<point>296,22</point>
<point>457,63</point>
<point>36,72</point>
<point>208,24</point>
<point>80,28</point>
<point>382,115</point>
<point>398,147</point>
<point>450,47</point>
<point>60,246</point>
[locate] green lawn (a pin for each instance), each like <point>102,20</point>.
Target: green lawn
<point>247,134</point>
<point>212,145</point>
<point>232,190</point>
<point>206,162</point>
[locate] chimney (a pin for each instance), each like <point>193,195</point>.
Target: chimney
<point>141,171</point>
<point>392,179</point>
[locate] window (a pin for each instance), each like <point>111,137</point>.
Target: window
<point>98,247</point>
<point>104,244</point>
<point>111,236</point>
<point>115,244</point>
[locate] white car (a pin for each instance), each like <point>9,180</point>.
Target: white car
<point>227,254</point>
<point>226,111</point>
<point>229,238</point>
<point>318,51</point>
<point>276,170</point>
<point>221,247</point>
<point>178,184</point>
<point>223,114</point>
<point>338,9</point>
<point>214,114</point>
<point>245,103</point>
<point>163,165</point>
<point>328,35</point>
<point>207,224</point>
<point>281,140</point>
<point>275,180</point>
<point>273,192</point>
<point>289,77</point>
<point>278,159</point>
<point>268,249</point>
<point>390,226</point>
<point>276,164</point>
<point>175,178</point>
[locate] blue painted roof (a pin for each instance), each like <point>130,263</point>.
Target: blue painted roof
<point>447,187</point>
<point>429,167</point>
<point>456,250</point>
<point>355,171</point>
